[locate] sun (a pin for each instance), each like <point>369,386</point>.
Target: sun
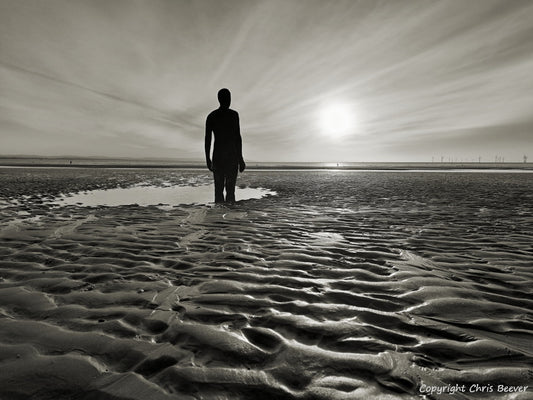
<point>337,119</point>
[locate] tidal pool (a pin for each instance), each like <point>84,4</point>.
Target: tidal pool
<point>163,197</point>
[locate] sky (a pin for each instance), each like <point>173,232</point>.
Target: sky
<point>312,80</point>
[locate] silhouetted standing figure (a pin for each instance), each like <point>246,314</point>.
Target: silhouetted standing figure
<point>227,150</point>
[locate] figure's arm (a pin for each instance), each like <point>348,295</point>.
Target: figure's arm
<point>242,164</point>
<point>208,131</point>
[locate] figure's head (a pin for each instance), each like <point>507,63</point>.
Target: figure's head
<point>224,98</point>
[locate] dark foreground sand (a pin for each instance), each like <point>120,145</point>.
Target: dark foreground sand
<point>346,285</point>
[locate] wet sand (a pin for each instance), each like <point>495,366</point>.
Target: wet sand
<point>345,285</point>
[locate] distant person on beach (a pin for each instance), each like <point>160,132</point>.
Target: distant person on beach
<point>227,150</point>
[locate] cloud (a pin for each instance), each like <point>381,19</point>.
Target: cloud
<point>139,78</point>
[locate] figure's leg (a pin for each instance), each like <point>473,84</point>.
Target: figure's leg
<point>218,174</point>
<point>231,180</point>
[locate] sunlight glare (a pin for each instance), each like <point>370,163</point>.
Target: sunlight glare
<point>337,119</point>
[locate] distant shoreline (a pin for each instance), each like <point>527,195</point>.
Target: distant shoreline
<point>21,163</point>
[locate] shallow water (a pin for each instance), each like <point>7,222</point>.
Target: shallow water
<point>146,195</point>
<point>343,286</point>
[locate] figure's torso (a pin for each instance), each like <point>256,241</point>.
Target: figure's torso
<point>224,123</point>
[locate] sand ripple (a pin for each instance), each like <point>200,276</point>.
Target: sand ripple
<point>346,285</point>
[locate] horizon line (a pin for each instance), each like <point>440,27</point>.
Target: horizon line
<point>199,161</point>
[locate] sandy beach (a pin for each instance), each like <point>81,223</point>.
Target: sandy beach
<point>342,285</point>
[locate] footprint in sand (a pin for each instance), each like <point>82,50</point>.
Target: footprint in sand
<point>195,217</point>
<point>70,228</point>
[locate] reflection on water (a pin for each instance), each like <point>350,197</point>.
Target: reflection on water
<point>164,197</point>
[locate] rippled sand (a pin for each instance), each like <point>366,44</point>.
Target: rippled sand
<point>346,285</point>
